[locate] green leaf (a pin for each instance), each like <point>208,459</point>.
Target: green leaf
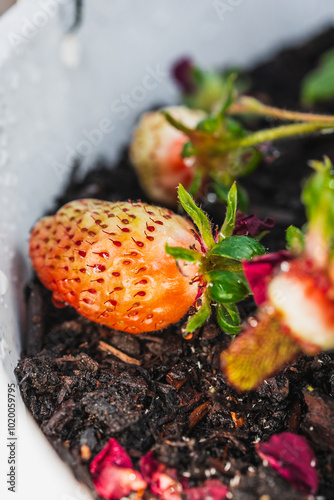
<point>228,318</point>
<point>199,317</point>
<point>318,198</point>
<point>188,150</point>
<point>180,253</point>
<point>208,125</point>
<point>209,88</point>
<point>199,217</point>
<point>238,248</point>
<point>227,286</point>
<point>220,188</point>
<point>235,128</point>
<point>248,165</point>
<point>199,75</point>
<point>229,222</point>
<point>318,85</point>
<point>295,239</point>
<point>229,92</point>
<point>242,198</point>
<point>176,123</point>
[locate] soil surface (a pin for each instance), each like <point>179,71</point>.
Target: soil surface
<point>172,398</point>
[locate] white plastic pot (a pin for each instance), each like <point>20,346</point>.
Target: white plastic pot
<point>78,93</point>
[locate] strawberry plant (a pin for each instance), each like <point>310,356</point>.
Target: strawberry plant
<point>114,263</point>
<point>294,290</point>
<point>192,147</point>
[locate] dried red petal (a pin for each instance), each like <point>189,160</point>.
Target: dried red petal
<point>113,474</point>
<point>162,481</point>
<point>212,488</point>
<point>112,454</point>
<point>291,456</point>
<point>182,73</point>
<point>259,270</point>
<point>252,225</point>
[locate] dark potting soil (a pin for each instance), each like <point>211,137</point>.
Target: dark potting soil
<point>169,395</point>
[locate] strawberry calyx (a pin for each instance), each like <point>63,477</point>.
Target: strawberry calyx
<point>200,89</point>
<point>220,275</point>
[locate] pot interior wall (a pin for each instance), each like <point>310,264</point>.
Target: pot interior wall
<point>77,93</point>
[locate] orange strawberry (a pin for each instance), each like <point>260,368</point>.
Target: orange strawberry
<point>114,262</point>
<point>108,261</point>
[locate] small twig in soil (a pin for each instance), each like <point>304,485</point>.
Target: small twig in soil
<point>119,354</point>
<point>198,414</point>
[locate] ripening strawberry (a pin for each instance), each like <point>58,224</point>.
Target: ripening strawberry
<point>303,296</point>
<point>108,261</point>
<point>138,268</point>
<point>156,153</point>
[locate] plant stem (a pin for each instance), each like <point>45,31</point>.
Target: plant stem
<point>270,134</point>
<point>249,105</point>
<point>177,124</point>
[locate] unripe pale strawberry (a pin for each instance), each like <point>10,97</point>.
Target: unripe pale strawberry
<point>295,292</point>
<point>297,316</point>
<point>303,295</point>
<point>108,261</point>
<point>156,153</point>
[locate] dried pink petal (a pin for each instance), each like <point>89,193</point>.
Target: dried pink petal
<point>252,225</point>
<point>112,454</point>
<point>291,456</point>
<point>113,474</point>
<point>258,272</point>
<point>162,481</point>
<point>212,488</point>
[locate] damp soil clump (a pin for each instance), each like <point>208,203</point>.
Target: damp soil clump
<point>85,383</point>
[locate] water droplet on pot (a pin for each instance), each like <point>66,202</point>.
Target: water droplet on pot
<point>4,284</point>
<point>70,51</point>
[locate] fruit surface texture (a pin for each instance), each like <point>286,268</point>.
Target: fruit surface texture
<point>303,295</point>
<point>108,261</point>
<point>156,154</point>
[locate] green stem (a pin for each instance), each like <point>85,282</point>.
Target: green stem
<point>270,135</point>
<point>177,124</point>
<point>249,105</point>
